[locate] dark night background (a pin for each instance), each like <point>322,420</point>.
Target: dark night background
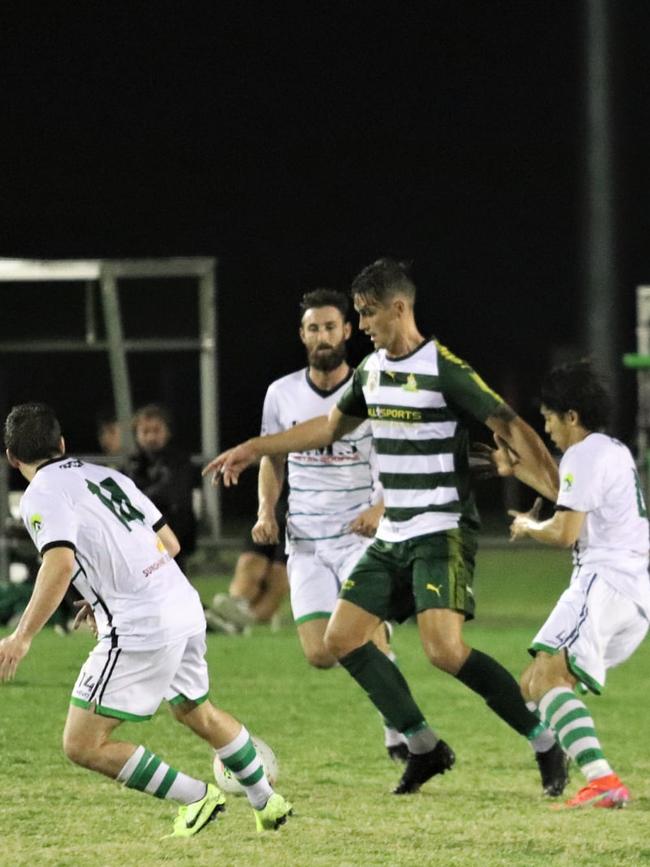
<point>297,142</point>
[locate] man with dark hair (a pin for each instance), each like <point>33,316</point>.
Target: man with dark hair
<point>416,394</point>
<point>94,528</point>
<point>333,492</point>
<point>603,616</point>
<point>164,473</point>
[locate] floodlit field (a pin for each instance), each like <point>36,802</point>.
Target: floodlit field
<point>487,811</point>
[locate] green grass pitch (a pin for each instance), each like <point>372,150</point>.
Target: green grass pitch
<point>487,811</point>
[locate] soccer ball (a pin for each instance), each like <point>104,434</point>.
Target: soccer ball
<point>229,783</point>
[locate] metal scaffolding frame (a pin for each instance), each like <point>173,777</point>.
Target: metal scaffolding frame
<point>106,273</point>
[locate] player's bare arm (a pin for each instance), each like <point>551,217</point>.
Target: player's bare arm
<point>522,450</point>
<point>169,539</point>
<point>313,434</point>
<point>562,530</point>
<point>51,584</point>
<point>269,487</point>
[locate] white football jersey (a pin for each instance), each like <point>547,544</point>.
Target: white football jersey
<point>328,487</point>
<point>140,597</point>
<point>598,476</point>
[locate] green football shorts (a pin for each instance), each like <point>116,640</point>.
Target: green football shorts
<point>395,580</point>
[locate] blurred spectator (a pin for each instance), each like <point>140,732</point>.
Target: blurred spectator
<point>109,437</point>
<point>257,589</point>
<point>164,473</point>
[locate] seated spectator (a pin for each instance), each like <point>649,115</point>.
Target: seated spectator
<point>164,473</point>
<point>257,589</point>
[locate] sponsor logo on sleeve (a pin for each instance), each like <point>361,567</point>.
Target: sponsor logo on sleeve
<point>36,522</point>
<point>567,482</point>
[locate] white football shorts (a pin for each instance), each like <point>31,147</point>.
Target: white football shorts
<point>595,625</point>
<point>130,684</point>
<point>316,573</point>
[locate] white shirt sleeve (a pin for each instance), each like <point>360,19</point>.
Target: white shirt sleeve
<point>580,481</point>
<point>50,519</point>
<point>270,413</point>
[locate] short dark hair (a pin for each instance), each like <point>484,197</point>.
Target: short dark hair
<point>579,387</point>
<point>152,410</point>
<point>384,279</point>
<point>32,432</point>
<point>325,298</point>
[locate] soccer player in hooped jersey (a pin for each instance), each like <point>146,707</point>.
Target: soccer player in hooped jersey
<point>335,499</point>
<point>94,528</point>
<point>603,616</point>
<point>415,393</point>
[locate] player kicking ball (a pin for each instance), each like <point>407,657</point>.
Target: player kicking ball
<point>603,616</point>
<point>94,528</point>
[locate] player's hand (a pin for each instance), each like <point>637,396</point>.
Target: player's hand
<point>228,466</point>
<point>504,457</point>
<point>523,520</point>
<point>366,523</point>
<point>85,615</point>
<point>12,650</point>
<point>266,531</point>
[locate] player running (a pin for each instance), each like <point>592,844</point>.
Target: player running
<point>334,496</point>
<point>416,395</point>
<point>603,616</point>
<point>94,528</point>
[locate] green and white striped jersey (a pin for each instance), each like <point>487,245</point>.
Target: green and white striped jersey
<point>416,405</point>
<point>328,487</point>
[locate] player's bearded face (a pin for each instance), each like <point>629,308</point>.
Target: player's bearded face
<point>325,357</point>
<point>324,332</point>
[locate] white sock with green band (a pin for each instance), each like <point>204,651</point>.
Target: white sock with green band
<point>574,728</point>
<point>146,772</point>
<point>242,760</point>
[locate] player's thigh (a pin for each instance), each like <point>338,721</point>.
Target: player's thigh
<point>380,582</point>
<point>350,627</point>
<point>190,681</point>
<point>313,587</point>
<point>85,730</point>
<point>442,566</point>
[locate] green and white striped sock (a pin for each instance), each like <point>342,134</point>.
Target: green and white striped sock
<point>574,728</point>
<point>242,760</point>
<point>146,772</point>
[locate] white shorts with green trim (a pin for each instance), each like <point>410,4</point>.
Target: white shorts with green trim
<point>130,684</point>
<point>316,572</point>
<point>595,625</point>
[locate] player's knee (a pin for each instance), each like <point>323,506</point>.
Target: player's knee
<point>446,657</point>
<point>320,657</point>
<point>339,644</point>
<point>78,750</point>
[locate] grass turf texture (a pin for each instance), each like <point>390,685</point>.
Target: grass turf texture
<point>487,811</point>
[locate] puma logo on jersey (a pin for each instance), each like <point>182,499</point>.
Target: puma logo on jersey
<point>434,589</point>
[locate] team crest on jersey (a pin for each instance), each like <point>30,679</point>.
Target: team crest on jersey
<point>567,482</point>
<point>36,522</point>
<point>372,383</point>
<point>411,383</point>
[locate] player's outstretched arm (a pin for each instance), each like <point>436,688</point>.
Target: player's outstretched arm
<point>523,450</point>
<point>313,434</point>
<point>51,584</point>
